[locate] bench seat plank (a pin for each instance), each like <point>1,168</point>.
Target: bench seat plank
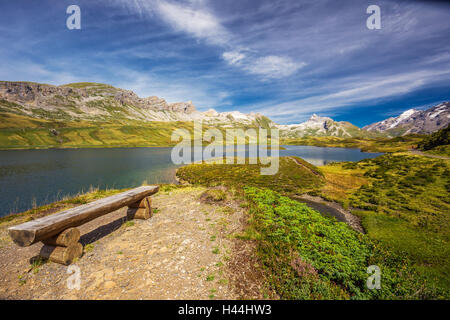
<point>31,232</point>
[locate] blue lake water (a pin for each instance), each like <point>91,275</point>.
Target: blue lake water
<point>38,177</point>
<point>320,156</point>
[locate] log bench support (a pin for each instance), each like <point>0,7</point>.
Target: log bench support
<point>63,248</point>
<point>59,231</point>
<point>140,210</point>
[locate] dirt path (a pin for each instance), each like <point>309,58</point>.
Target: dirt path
<point>185,251</point>
<point>420,153</point>
<point>302,165</point>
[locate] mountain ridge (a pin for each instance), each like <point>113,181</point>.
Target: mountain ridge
<point>96,102</point>
<point>414,121</point>
<point>322,126</point>
<point>100,102</point>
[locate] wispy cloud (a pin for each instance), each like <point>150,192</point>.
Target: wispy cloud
<point>145,85</point>
<point>193,18</point>
<point>189,18</point>
<point>274,66</point>
<point>285,58</point>
<point>35,72</point>
<point>233,57</point>
<point>354,91</point>
<point>268,67</point>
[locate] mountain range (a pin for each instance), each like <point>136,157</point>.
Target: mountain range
<point>100,102</point>
<point>414,121</point>
<point>322,126</point>
<point>95,102</point>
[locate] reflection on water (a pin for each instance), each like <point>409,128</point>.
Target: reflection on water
<point>320,156</point>
<point>44,176</point>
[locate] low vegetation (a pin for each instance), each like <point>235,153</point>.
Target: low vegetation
<point>365,144</point>
<point>214,195</point>
<point>402,200</point>
<point>405,205</point>
<point>294,176</point>
<point>437,143</point>
<point>309,256</point>
<point>21,132</point>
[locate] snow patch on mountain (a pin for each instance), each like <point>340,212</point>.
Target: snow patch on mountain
<point>405,115</point>
<point>318,126</point>
<point>414,121</point>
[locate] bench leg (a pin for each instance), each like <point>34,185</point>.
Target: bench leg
<point>141,209</point>
<point>62,255</point>
<point>63,248</point>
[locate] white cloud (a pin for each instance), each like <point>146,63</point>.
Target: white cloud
<point>193,18</point>
<point>274,67</point>
<point>353,91</point>
<point>233,57</point>
<point>172,90</point>
<point>25,70</point>
<point>189,17</point>
<point>269,67</point>
<point>196,22</point>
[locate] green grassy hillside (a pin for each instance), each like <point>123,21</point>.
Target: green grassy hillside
<point>401,199</point>
<point>21,132</point>
<point>437,143</point>
<point>405,205</point>
<point>365,144</point>
<point>309,256</point>
<point>293,177</point>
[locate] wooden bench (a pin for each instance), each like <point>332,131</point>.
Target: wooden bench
<point>59,231</point>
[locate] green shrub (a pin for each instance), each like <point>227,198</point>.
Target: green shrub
<point>439,138</point>
<point>310,256</point>
<point>214,195</point>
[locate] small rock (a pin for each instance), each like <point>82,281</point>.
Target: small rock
<point>110,284</point>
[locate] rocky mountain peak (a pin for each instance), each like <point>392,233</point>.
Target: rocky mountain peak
<point>101,102</point>
<point>316,118</point>
<point>408,113</point>
<point>320,126</point>
<point>185,107</point>
<point>415,121</point>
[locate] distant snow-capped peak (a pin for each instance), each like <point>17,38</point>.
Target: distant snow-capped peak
<point>404,116</point>
<point>415,121</point>
<point>320,126</point>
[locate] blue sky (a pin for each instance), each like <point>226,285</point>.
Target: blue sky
<point>285,59</point>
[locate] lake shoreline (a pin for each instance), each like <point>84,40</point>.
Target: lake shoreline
<point>36,177</point>
<point>281,148</point>
<point>333,209</point>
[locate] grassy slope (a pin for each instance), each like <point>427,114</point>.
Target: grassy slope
<point>365,144</point>
<point>291,178</point>
<point>440,151</point>
<point>402,200</point>
<point>309,256</point>
<point>22,132</point>
<point>437,143</point>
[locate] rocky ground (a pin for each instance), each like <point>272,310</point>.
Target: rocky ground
<point>187,250</point>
